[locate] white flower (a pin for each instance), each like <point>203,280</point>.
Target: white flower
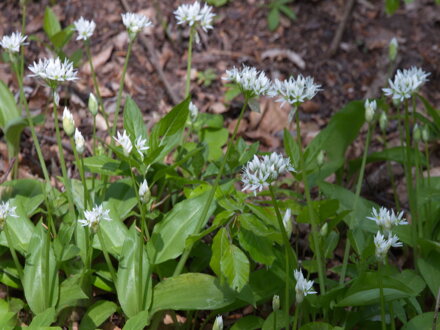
<point>94,216</point>
<point>383,244</point>
<point>295,91</point>
<point>287,222</point>
<point>84,28</point>
<point>13,42</point>
<point>125,142</point>
<point>218,323</point>
<point>195,15</point>
<point>302,287</point>
<point>370,109</point>
<point>53,70</point>
<point>141,146</point>
<point>68,122</point>
<point>7,210</point>
<point>79,142</point>
<point>394,241</point>
<point>260,172</point>
<point>387,219</point>
<point>135,23</point>
<point>250,80</point>
<point>193,111</point>
<point>406,83</point>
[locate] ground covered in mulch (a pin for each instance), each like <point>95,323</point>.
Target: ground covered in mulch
<point>358,69</point>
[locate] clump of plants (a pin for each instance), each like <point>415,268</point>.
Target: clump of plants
<point>217,226</point>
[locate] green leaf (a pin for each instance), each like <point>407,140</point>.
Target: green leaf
<point>134,292</point>
<point>43,319</point>
<point>7,317</point>
<point>10,120</point>
<point>40,278</point>
<point>97,314</point>
<point>259,247</point>
<point>235,267</point>
<point>105,165</point>
<point>422,321</point>
<point>250,322</point>
<point>191,291</point>
<point>216,139</point>
<point>273,19</point>
<point>219,245</point>
<point>434,113</point>
<point>269,321</point>
<point>391,6</point>
<point>133,120</point>
<point>61,38</point>
<point>318,326</point>
<point>169,236</point>
<point>122,197</point>
<point>139,321</point>
<point>288,12</point>
<point>71,292</point>
<point>430,270</point>
<point>51,24</point>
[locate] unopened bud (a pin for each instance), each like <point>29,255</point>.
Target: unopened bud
<point>287,221</point>
<point>79,142</point>
<point>383,121</point>
<point>218,324</point>
<point>392,49</point>
<point>193,111</point>
<point>425,134</point>
<point>68,122</point>
<point>324,230</point>
<point>417,134</point>
<point>56,99</point>
<point>370,109</point>
<point>320,158</point>
<point>93,104</point>
<point>144,192</point>
<point>276,302</point>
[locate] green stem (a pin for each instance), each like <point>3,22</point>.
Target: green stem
<point>205,210</point>
<point>391,175</point>
<point>118,99</point>
<point>355,202</point>
<point>144,228</point>
<point>107,257</point>
<point>61,154</point>
<point>13,253</point>
<point>382,298</point>
<point>189,61</point>
<point>275,320</point>
<point>315,235</point>
<point>79,164</point>
<point>296,316</point>
<point>47,268</point>
<point>286,244</point>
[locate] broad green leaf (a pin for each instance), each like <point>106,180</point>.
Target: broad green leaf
<point>288,12</point>
<point>43,319</point>
<point>134,286</point>
<point>422,321</point>
<point>122,197</point>
<point>139,321</point>
<point>169,236</point>
<point>215,139</point>
<point>273,19</point>
<point>71,292</point>
<point>235,267</point>
<point>61,38</point>
<point>191,291</point>
<point>27,193</point>
<point>292,148</point>
<point>105,165</point>
<point>430,270</point>
<point>97,314</point>
<point>13,130</point>
<point>391,6</point>
<point>318,326</point>
<point>250,322</point>
<point>269,321</point>
<point>219,245</point>
<point>7,317</point>
<point>259,247</point>
<point>40,278</point>
<point>10,119</point>
<point>133,120</point>
<point>51,24</point>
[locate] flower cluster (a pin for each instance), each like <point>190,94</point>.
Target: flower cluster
<point>384,239</point>
<point>53,70</point>
<point>135,23</point>
<point>84,28</point>
<point>94,217</point>
<point>195,15</point>
<point>260,172</point>
<point>125,141</point>
<point>406,83</point>
<point>295,91</point>
<point>6,210</point>
<point>251,82</point>
<point>13,42</point>
<point>302,287</point>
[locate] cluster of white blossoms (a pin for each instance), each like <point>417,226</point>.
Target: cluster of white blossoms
<point>13,42</point>
<point>302,287</point>
<point>84,28</point>
<point>259,173</point>
<point>195,15</point>
<point>125,141</point>
<point>406,83</point>
<point>385,239</point>
<point>94,217</point>
<point>295,91</point>
<point>251,81</point>
<point>6,210</point>
<point>53,70</point>
<point>135,23</point>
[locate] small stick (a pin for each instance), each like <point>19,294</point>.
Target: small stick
<point>340,30</point>
<point>11,165</point>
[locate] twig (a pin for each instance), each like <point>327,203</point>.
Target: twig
<point>11,165</point>
<point>154,60</point>
<point>437,307</point>
<point>341,27</point>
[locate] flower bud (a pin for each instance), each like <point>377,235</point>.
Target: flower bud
<point>383,121</point>
<point>417,134</point>
<point>68,122</point>
<point>425,134</point>
<point>288,222</point>
<point>370,109</point>
<point>79,142</point>
<point>320,158</point>
<point>93,104</point>
<point>218,324</point>
<point>392,49</point>
<point>144,192</point>
<point>276,303</point>
<point>324,230</point>
<point>193,111</point>
<point>56,99</point>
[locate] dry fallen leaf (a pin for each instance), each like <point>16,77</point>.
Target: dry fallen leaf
<point>285,53</point>
<point>98,60</point>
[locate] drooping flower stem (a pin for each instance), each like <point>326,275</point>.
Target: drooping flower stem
<point>13,252</point>
<point>205,210</point>
<point>355,202</point>
<point>192,32</point>
<point>382,297</point>
<point>107,257</point>
<point>119,96</point>
<point>286,244</point>
<point>315,234</point>
<point>296,316</point>
<point>61,154</point>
